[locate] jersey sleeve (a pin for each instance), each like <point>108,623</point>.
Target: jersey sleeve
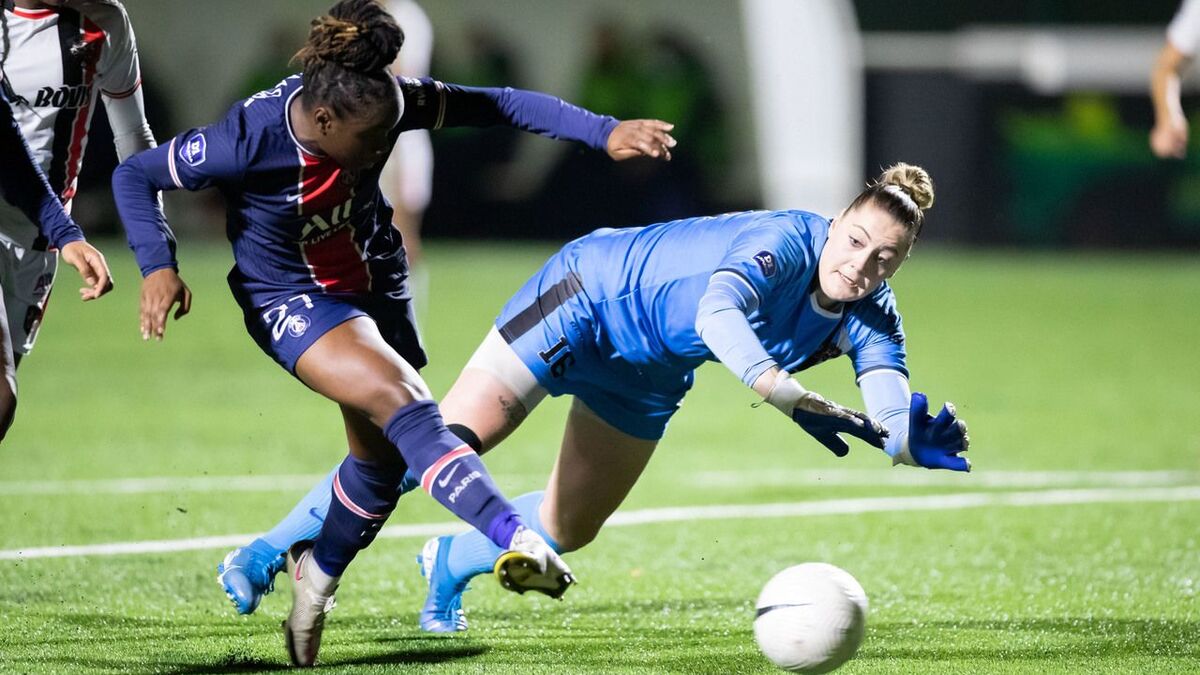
<point>23,185</point>
<point>118,71</point>
<point>874,334</point>
<point>430,104</point>
<point>1184,30</point>
<point>722,323</point>
<point>193,160</point>
<point>766,255</point>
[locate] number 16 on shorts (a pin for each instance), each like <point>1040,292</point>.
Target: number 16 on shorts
<point>558,357</point>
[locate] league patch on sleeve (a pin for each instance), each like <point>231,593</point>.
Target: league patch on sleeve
<point>766,263</point>
<point>193,149</point>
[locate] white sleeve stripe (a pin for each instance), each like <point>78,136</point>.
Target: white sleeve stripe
<point>441,116</point>
<point>880,371</point>
<point>727,274</point>
<point>171,165</point>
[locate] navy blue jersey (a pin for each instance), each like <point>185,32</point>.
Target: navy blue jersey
<point>298,222</point>
<point>645,284</point>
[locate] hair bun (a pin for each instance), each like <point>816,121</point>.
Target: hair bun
<point>913,180</point>
<point>358,35</point>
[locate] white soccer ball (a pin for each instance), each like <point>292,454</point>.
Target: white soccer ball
<point>810,618</point>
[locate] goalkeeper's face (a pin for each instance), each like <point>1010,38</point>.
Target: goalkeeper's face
<point>866,247</point>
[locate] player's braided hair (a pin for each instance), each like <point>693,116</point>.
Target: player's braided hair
<point>347,55</point>
<point>903,190</point>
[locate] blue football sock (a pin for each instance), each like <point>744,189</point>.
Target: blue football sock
<point>305,519</point>
<point>471,553</point>
<point>363,496</point>
<point>450,470</point>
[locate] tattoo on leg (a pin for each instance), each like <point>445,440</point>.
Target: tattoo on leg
<point>514,414</point>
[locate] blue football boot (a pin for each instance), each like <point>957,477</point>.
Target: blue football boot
<point>443,612</point>
<point>248,573</point>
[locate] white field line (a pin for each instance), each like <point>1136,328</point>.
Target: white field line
<point>177,484</point>
<point>898,477</point>
<point>825,507</point>
<point>905,476</point>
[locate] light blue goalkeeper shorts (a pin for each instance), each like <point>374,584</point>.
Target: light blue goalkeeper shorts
<point>550,324</point>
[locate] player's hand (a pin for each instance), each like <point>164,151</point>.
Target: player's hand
<point>641,138</point>
<point>1169,140</point>
<point>821,418</point>
<point>92,266</point>
<point>936,442</point>
<point>530,564</point>
<point>162,290</point>
<point>824,420</point>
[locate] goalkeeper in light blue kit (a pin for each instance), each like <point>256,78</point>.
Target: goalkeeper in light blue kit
<point>621,318</point>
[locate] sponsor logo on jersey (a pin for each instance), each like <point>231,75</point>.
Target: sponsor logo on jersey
<point>766,263</point>
<point>74,96</point>
<point>320,226</point>
<point>298,325</point>
<point>193,150</point>
<point>828,351</point>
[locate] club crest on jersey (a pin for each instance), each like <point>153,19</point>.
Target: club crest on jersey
<point>298,325</point>
<point>193,150</point>
<point>766,263</point>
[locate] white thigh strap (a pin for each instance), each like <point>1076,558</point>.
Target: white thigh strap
<point>495,356</point>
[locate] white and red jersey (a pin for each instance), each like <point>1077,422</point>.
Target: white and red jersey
<point>1184,30</point>
<point>58,61</point>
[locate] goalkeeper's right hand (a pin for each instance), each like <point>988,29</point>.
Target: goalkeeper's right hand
<point>530,564</point>
<point>934,442</point>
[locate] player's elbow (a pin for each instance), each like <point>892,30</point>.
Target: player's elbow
<point>130,177</point>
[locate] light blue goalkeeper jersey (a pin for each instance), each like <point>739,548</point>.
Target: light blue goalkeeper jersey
<point>645,284</point>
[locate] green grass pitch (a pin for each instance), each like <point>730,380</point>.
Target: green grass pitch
<point>1075,372</point>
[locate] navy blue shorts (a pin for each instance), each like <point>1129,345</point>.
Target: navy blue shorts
<point>550,324</point>
<point>288,326</point>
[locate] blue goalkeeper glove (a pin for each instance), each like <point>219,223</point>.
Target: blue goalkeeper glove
<point>824,420</point>
<point>936,442</point>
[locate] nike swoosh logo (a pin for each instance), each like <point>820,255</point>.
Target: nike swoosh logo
<point>764,610</point>
<point>443,482</point>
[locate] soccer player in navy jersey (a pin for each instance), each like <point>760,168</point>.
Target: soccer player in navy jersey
<point>320,274</point>
<point>621,318</point>
<point>23,187</point>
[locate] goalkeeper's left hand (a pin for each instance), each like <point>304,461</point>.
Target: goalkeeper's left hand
<point>821,418</point>
<point>530,564</point>
<point>824,420</point>
<point>934,442</point>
